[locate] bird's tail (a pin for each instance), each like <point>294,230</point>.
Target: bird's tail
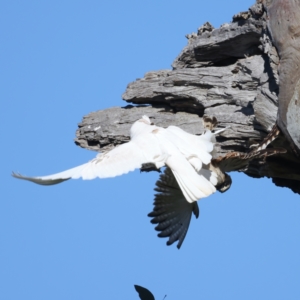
<point>194,186</point>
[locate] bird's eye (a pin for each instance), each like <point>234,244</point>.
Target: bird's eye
<point>151,123</point>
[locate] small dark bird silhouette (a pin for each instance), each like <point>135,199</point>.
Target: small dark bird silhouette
<point>144,293</point>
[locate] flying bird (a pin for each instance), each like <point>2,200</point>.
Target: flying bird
<point>191,173</point>
<point>186,157</point>
<point>172,213</point>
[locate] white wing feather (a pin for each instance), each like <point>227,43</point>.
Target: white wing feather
<point>191,145</point>
<point>121,160</point>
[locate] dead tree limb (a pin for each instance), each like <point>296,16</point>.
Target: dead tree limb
<point>230,73</point>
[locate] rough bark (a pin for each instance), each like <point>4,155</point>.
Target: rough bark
<point>284,27</point>
<point>230,73</point>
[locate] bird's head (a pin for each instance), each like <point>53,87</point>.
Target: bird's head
<point>145,119</point>
<point>140,125</point>
<point>225,185</point>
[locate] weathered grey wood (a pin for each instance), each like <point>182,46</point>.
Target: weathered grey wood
<point>230,73</point>
<point>103,129</point>
<point>284,26</point>
<point>223,45</point>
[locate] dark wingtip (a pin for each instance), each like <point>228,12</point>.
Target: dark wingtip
<point>196,210</point>
<point>15,175</point>
<point>178,246</point>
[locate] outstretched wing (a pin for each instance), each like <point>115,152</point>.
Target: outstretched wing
<point>171,211</point>
<point>121,160</point>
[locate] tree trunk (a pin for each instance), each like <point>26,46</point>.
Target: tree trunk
<point>230,73</point>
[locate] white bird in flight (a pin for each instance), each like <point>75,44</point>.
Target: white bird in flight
<point>187,178</point>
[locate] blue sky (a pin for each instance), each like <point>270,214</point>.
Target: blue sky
<point>60,60</point>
